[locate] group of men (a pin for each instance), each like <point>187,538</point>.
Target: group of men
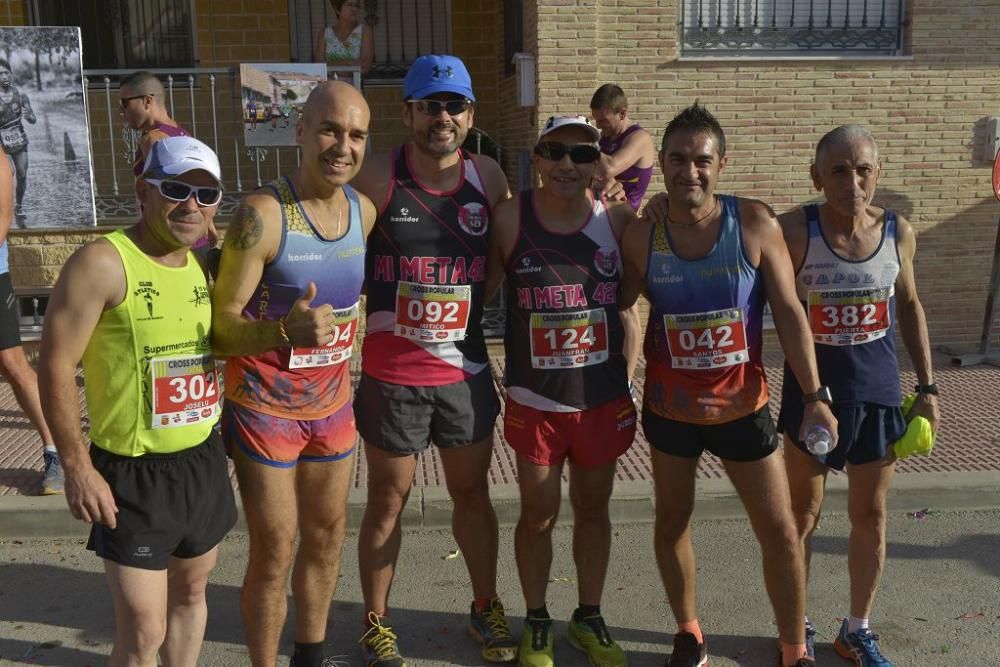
<point>430,232</point>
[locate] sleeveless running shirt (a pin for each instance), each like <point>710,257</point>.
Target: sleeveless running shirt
<point>13,138</point>
<point>564,336</point>
<point>635,179</point>
<point>138,162</point>
<point>426,273</point>
<point>150,379</point>
<point>303,383</point>
<point>852,314</point>
<point>703,340</point>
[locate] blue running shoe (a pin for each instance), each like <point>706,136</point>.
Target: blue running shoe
<point>861,647</point>
<point>53,480</point>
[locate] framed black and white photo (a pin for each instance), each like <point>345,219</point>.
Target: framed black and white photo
<point>44,127</point>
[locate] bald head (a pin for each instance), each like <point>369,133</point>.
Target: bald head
<point>845,134</point>
<point>334,94</point>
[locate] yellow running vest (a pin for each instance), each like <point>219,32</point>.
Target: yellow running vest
<point>150,378</point>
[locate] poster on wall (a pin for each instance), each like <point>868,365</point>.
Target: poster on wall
<point>273,95</point>
<point>43,127</point>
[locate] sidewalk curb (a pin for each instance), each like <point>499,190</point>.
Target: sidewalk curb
<point>429,508</point>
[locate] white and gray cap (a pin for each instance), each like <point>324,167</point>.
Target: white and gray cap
<point>556,122</point>
<point>173,156</point>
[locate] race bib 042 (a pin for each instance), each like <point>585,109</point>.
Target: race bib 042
<point>569,340</point>
<point>337,351</point>
<point>186,390</point>
<point>715,339</point>
<point>432,313</point>
<point>849,316</point>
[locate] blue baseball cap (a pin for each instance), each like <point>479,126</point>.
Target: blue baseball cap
<point>433,73</point>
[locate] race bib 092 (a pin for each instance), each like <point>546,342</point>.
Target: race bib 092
<point>432,313</point>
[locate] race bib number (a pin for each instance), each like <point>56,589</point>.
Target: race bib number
<point>569,340</point>
<point>432,313</point>
<point>849,316</point>
<point>13,137</point>
<point>186,390</point>
<point>337,351</point>
<point>700,341</point>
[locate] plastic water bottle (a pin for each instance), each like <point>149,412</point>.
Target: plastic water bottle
<point>819,441</point>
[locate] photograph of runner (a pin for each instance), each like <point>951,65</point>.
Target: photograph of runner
<point>43,127</point>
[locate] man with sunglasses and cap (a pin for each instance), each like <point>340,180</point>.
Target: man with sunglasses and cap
<point>286,313</point>
<point>706,265</point>
<point>567,373</point>
<point>425,372</point>
<point>134,308</point>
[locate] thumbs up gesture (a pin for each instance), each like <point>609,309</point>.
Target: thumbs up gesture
<point>306,325</point>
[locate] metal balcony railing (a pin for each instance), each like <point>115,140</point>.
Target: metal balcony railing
<point>204,100</point>
<point>791,27</point>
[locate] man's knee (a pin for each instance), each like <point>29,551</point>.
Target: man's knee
<point>188,591</point>
<point>144,634</point>
<point>673,520</point>
<point>538,517</point>
<point>589,508</point>
<point>870,516</point>
<point>470,495</point>
<point>271,557</point>
<point>324,539</point>
<point>13,363</point>
<point>781,539</point>
<point>806,520</point>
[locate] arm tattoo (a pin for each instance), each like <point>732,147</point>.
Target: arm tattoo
<point>246,229</point>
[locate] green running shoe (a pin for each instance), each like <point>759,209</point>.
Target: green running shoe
<point>592,637</point>
<point>536,644</point>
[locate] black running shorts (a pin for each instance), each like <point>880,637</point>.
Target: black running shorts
<point>178,505</point>
<point>749,438</point>
<point>405,420</point>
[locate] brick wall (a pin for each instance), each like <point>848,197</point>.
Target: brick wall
<point>928,111</point>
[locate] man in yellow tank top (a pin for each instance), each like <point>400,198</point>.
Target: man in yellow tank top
<point>134,308</point>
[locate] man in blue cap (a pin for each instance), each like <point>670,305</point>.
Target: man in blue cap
<point>425,372</point>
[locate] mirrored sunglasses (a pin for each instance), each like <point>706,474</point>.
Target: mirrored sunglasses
<point>578,153</point>
<point>434,107</point>
<point>178,191</point>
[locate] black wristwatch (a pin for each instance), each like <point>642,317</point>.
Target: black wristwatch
<point>931,388</point>
<point>822,394</point>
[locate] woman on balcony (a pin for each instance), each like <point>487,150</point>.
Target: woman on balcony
<point>348,41</point>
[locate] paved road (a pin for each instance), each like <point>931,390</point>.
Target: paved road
<point>939,604</point>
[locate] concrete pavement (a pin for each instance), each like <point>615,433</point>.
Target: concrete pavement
<point>939,603</point>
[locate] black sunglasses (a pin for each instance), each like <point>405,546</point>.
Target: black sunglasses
<point>578,153</point>
<point>123,102</point>
<point>179,191</point>
<point>434,107</point>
